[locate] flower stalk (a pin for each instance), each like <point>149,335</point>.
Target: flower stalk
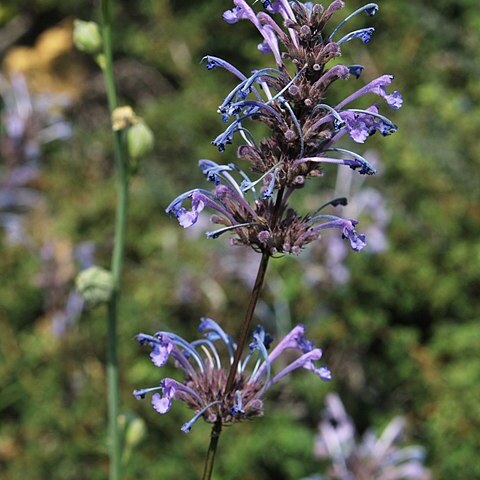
<point>303,135</point>
<point>242,340</point>
<point>118,250</point>
<point>245,328</point>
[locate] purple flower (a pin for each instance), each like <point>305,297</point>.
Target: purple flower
<point>206,366</point>
<point>377,87</point>
<point>371,457</point>
<point>304,129</point>
<point>249,221</point>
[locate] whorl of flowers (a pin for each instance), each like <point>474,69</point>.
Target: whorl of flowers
<point>368,458</point>
<point>206,369</point>
<point>304,128</point>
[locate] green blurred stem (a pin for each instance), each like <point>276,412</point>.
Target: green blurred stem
<point>118,251</point>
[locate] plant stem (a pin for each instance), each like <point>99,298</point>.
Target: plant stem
<point>118,251</point>
<point>212,449</point>
<point>245,329</point>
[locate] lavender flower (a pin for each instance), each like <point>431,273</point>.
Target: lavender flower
<point>206,369</point>
<point>370,459</point>
<point>304,130</point>
<point>254,222</point>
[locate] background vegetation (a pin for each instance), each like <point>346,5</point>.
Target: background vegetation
<point>401,334</point>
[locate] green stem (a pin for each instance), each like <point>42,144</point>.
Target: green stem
<point>118,251</point>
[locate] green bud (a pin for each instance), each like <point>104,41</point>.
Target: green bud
<point>95,284</point>
<point>136,431</point>
<point>139,140</point>
<point>87,36</point>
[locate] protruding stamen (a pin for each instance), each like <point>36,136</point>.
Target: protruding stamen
<point>340,122</point>
<point>370,9</point>
<point>365,167</point>
<point>388,123</point>
<point>214,332</point>
<point>212,170</point>
<point>213,62</point>
<point>356,70</point>
<point>334,203</point>
<point>186,427</point>
<point>140,394</point>
<point>247,184</point>
<point>364,34</point>
<point>216,233</point>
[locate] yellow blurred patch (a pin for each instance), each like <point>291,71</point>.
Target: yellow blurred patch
<point>50,66</point>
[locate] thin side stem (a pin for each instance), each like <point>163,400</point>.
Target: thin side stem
<point>118,252</point>
<point>212,449</point>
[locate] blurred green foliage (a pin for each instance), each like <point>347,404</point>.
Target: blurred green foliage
<point>402,337</point>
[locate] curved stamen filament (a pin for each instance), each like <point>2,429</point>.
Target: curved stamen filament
<point>186,427</point>
<point>370,8</point>
<point>217,233</point>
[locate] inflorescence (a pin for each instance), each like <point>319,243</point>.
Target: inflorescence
<point>206,369</point>
<point>304,135</point>
<point>304,129</point>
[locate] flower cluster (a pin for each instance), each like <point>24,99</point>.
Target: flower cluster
<point>206,368</point>
<point>372,458</point>
<point>304,130</point>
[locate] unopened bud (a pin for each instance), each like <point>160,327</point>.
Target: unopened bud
<point>95,284</point>
<point>136,431</point>
<point>139,140</point>
<point>87,37</point>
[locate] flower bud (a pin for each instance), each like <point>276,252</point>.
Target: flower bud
<point>87,37</point>
<point>135,431</point>
<point>139,140</point>
<point>95,284</point>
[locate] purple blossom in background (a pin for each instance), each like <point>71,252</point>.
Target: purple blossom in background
<point>305,130</point>
<point>371,457</point>
<point>366,203</point>
<point>205,368</point>
<point>29,121</point>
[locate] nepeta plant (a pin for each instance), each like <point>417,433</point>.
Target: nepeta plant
<point>292,100</point>
<point>371,458</point>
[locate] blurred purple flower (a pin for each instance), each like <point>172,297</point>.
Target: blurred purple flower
<point>371,457</point>
<point>29,122</point>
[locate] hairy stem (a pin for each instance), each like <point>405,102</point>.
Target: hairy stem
<point>118,252</point>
